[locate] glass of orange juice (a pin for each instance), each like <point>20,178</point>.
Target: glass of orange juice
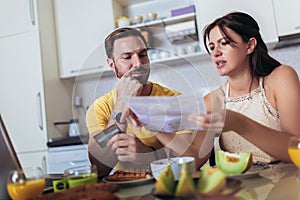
<point>25,184</point>
<point>294,151</point>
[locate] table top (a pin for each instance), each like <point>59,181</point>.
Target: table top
<point>276,182</point>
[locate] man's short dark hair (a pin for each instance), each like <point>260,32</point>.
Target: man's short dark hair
<point>117,34</point>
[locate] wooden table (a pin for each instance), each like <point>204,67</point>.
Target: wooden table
<point>276,182</point>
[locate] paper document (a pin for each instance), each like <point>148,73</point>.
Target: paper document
<point>167,113</point>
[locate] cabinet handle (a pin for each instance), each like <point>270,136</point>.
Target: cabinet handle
<point>85,69</point>
<point>44,164</point>
<point>31,11</point>
<point>78,162</point>
<point>39,110</point>
<point>297,27</point>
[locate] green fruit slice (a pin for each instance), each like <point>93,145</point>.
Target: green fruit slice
<point>211,180</point>
<point>186,186</point>
<point>165,184</point>
<point>233,163</point>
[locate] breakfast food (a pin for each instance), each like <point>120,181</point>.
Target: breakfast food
<point>128,176</point>
<point>165,184</point>
<point>233,163</point>
<point>99,191</point>
<point>186,186</point>
<point>211,181</point>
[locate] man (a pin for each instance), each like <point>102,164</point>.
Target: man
<point>135,147</point>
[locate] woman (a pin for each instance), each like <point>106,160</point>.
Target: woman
<point>262,96</point>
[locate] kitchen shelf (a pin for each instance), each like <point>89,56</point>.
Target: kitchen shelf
<point>180,58</point>
<point>166,21</point>
<point>155,63</point>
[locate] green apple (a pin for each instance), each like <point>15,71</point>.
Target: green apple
<point>211,180</point>
<point>186,186</point>
<point>233,163</point>
<point>165,184</point>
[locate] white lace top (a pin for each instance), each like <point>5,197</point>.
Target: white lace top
<point>255,106</point>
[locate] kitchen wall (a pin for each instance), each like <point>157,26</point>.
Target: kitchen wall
<point>185,76</point>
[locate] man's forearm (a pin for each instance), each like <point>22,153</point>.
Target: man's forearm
<point>104,159</point>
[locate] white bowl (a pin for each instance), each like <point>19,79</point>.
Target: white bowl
<point>176,164</point>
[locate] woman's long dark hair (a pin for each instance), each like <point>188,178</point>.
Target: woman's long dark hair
<point>261,63</point>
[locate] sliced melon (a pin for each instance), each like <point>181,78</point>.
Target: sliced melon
<point>186,186</point>
<point>233,163</point>
<point>211,181</point>
<point>165,184</point>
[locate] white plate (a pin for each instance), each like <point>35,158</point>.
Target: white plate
<point>133,182</point>
<point>247,174</point>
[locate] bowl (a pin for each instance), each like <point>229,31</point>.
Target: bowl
<point>159,166</point>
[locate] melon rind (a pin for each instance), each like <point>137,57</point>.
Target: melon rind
<point>233,163</point>
<point>165,184</point>
<point>186,186</point>
<point>211,181</point>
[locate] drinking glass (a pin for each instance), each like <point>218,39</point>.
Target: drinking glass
<point>26,183</point>
<point>294,152</point>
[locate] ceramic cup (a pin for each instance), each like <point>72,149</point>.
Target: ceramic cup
<point>26,183</point>
<point>76,176</point>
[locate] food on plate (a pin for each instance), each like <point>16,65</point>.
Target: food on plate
<point>211,181</point>
<point>233,163</point>
<point>186,186</point>
<point>128,176</point>
<point>101,191</point>
<point>165,184</point>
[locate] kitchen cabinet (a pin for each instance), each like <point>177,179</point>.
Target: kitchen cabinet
<point>287,16</point>
<point>80,30</point>
<point>21,89</point>
<point>261,11</point>
<point>17,16</point>
<point>28,86</point>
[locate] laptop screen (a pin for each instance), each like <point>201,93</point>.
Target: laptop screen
<point>8,158</point>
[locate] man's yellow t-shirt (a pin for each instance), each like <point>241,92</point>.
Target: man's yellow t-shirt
<point>99,112</point>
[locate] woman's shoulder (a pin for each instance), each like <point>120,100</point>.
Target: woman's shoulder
<point>283,72</point>
<point>280,74</point>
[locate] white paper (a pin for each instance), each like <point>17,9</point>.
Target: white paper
<point>167,113</point>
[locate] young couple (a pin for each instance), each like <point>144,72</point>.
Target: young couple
<point>262,101</point>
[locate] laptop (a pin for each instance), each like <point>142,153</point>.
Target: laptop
<point>7,155</point>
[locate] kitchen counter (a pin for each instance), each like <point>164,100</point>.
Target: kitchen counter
<point>67,141</point>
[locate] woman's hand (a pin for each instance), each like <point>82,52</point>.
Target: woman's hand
<point>214,121</point>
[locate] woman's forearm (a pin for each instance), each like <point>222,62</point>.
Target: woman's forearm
<point>269,140</point>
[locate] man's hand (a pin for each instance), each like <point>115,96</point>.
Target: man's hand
<point>129,86</point>
<point>128,148</point>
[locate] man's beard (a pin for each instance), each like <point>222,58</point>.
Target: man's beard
<point>143,79</point>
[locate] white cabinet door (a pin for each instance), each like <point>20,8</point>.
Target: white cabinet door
<point>287,14</point>
<point>17,16</point>
<point>261,11</point>
<point>21,89</point>
<point>34,159</point>
<point>80,29</point>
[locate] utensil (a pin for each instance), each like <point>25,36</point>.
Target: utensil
<point>294,152</point>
